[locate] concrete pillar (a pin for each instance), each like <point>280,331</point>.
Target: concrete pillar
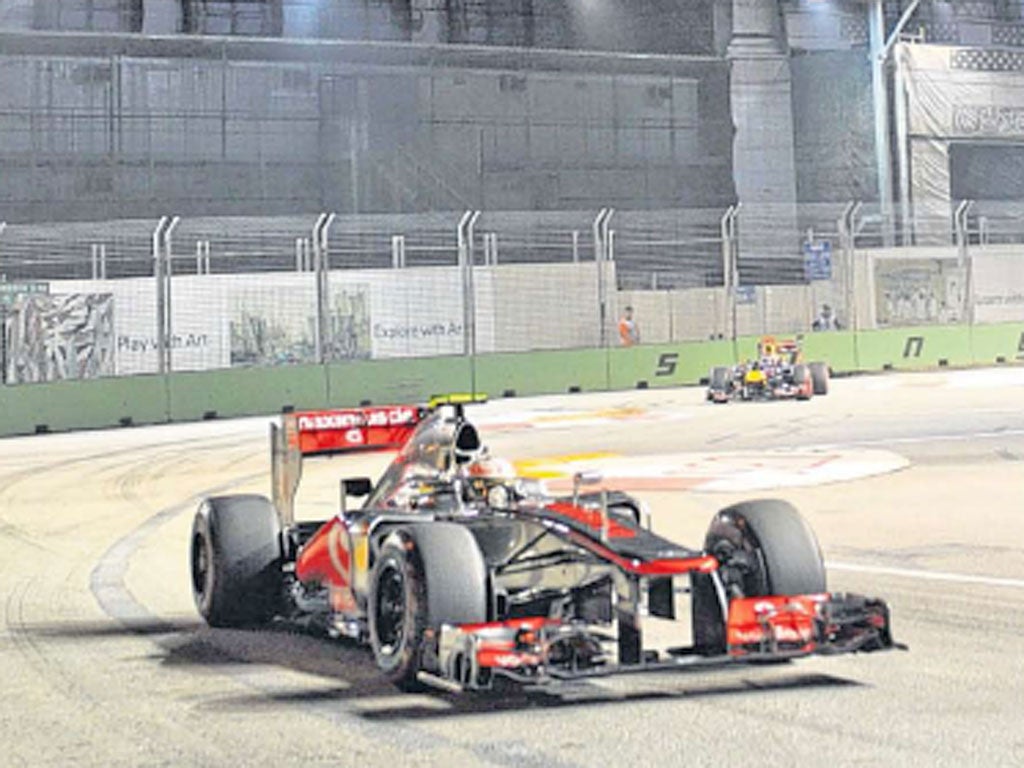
<point>161,17</point>
<point>763,158</point>
<point>429,22</point>
<point>16,14</point>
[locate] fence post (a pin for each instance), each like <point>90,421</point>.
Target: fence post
<point>318,330</point>
<point>963,257</point>
<point>847,225</point>
<point>168,274</point>
<point>600,257</point>
<point>470,283</point>
<point>158,274</point>
<point>398,251</point>
<point>464,235</point>
<point>730,265</point>
<point>322,285</point>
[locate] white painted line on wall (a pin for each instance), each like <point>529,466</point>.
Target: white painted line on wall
<point>916,573</point>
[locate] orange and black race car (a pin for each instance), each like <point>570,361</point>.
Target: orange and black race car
<point>458,574</point>
<point>779,372</point>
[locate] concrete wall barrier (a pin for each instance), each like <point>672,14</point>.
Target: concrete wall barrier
<point>666,365</point>
<point>387,382</point>
<point>234,392</point>
<point>150,399</point>
<point>66,405</point>
<point>914,348</point>
<point>541,373</point>
<point>993,344</point>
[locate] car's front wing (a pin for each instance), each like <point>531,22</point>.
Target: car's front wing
<point>540,650</point>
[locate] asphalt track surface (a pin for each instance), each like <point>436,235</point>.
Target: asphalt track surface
<point>105,663</point>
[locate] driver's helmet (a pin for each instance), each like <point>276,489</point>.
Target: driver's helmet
<point>756,365</point>
<point>487,467</point>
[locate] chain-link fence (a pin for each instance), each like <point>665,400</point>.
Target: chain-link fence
<point>141,296</point>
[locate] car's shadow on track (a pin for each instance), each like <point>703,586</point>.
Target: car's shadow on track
<point>342,674</point>
<point>354,683</point>
<point>434,705</point>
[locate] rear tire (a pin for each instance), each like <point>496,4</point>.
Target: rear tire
<point>425,576</point>
<point>235,561</point>
<point>819,377</point>
<point>764,547</point>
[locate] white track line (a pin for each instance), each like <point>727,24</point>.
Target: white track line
<point>912,573</point>
<point>946,438</point>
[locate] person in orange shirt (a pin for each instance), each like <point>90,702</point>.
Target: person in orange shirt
<point>629,331</point>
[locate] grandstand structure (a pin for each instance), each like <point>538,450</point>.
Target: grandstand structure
<point>115,110</point>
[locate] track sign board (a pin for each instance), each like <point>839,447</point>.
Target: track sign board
<point>818,260</point>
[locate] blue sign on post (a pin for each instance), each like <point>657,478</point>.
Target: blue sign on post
<point>818,260</point>
<point>746,294</point>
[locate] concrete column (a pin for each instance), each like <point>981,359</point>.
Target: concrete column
<point>763,158</point>
<point>16,14</point>
<point>429,21</point>
<point>161,17</point>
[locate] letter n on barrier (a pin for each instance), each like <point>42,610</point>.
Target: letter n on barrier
<point>913,346</point>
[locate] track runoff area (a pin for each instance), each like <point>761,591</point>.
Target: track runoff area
<point>912,483</point>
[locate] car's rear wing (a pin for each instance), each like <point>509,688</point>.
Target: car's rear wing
<point>345,430</point>
<point>353,429</point>
<point>322,433</point>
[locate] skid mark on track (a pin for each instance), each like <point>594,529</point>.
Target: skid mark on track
<point>112,594</point>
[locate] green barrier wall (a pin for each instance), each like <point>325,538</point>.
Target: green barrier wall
<point>837,349</point>
<point>63,405</point>
<point>540,373</point>
<point>68,405</point>
<point>997,343</point>
<point>669,365</point>
<point>384,382</point>
<point>913,348</point>
<point>245,391</point>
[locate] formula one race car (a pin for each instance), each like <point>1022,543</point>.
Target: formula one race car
<point>457,573</point>
<point>778,372</point>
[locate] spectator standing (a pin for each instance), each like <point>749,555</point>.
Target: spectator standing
<point>629,331</point>
<point>826,320</point>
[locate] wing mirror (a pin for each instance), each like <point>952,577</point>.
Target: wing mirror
<point>586,477</point>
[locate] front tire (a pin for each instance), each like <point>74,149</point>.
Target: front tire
<point>425,576</point>
<point>764,547</point>
<point>719,381</point>
<point>235,561</point>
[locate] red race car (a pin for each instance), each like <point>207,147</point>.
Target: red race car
<point>457,573</point>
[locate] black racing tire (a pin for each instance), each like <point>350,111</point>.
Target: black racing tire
<point>764,547</point>
<point>425,575</point>
<point>719,380</point>
<point>235,561</point>
<point>801,376</point>
<point>819,377</point>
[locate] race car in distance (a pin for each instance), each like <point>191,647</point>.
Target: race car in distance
<point>457,573</point>
<point>778,372</point>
